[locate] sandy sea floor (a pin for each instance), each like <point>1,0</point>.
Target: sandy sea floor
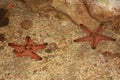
<point>66,60</point>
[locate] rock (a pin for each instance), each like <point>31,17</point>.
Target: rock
<point>51,47</point>
<point>35,5</point>
<point>4,20</point>
<point>26,24</point>
<point>103,10</point>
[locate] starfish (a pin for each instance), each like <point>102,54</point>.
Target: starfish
<point>28,48</point>
<point>94,36</point>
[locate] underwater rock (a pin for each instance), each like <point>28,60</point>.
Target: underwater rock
<point>103,10</point>
<point>51,47</point>
<point>26,24</point>
<point>35,5</point>
<point>4,20</point>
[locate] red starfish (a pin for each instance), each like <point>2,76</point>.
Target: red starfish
<point>28,48</point>
<point>93,36</point>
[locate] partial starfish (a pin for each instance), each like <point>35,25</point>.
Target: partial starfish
<point>28,48</point>
<point>93,36</point>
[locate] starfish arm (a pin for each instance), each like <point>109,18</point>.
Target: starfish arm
<point>84,28</point>
<point>102,37</point>
<point>94,43</point>
<point>28,54</point>
<point>28,40</point>
<point>19,54</point>
<point>35,56</point>
<point>40,46</point>
<point>16,46</point>
<point>87,38</point>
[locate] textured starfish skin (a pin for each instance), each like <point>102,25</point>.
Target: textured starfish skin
<point>28,48</point>
<point>93,36</point>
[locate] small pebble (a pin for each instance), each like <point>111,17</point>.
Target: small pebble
<point>26,24</point>
<point>48,50</point>
<point>51,47</point>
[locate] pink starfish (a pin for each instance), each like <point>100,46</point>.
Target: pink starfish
<point>28,48</point>
<point>93,36</point>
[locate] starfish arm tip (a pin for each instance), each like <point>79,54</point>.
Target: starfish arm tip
<point>81,24</point>
<point>114,39</point>
<point>14,51</point>
<point>101,24</point>
<point>40,58</point>
<point>74,40</point>
<point>93,47</point>
<point>45,43</point>
<point>10,44</point>
<point>35,56</point>
<point>27,36</point>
